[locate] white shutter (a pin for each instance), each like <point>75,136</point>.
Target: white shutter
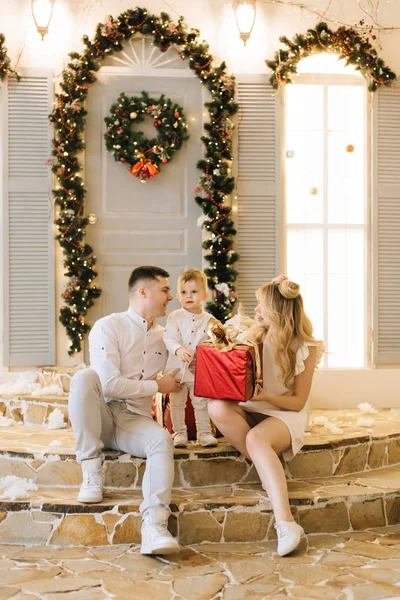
<point>259,205</point>
<point>29,303</point>
<point>386,226</point>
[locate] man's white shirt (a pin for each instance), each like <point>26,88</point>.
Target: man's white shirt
<point>187,330</point>
<point>128,357</point>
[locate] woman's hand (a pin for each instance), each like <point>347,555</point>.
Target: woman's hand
<point>260,396</point>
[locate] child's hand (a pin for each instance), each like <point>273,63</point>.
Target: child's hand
<point>184,355</point>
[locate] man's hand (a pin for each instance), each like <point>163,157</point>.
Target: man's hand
<point>169,384</point>
<point>184,355</point>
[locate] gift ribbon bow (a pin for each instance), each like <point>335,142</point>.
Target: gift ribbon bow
<point>143,168</point>
<point>224,339</point>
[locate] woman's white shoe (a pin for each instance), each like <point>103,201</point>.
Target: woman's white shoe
<point>289,536</point>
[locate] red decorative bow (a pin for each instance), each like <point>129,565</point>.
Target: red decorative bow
<point>144,168</point>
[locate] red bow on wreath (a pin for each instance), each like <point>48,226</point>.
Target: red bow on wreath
<point>144,168</point>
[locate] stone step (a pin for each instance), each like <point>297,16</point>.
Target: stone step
<point>237,513</point>
<point>33,411</point>
<point>28,452</point>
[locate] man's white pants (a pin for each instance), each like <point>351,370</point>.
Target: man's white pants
<point>200,405</point>
<point>99,425</point>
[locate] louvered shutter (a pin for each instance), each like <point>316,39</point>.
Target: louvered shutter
<point>386,226</point>
<point>29,303</point>
<point>259,203</point>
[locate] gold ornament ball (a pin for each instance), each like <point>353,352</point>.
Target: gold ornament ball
<point>143,181</point>
<point>314,191</point>
<point>133,115</point>
<point>350,148</point>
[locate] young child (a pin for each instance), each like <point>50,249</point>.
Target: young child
<point>186,328</point>
<point>274,421</point>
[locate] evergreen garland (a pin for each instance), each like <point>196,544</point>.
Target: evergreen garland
<point>145,156</point>
<point>5,69</point>
<point>215,183</point>
<point>348,43</point>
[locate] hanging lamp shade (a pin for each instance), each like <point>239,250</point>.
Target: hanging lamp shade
<point>245,14</point>
<point>42,12</point>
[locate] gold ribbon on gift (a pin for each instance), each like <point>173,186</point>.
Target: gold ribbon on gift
<point>224,339</point>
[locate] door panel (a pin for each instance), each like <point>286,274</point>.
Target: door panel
<point>153,223</point>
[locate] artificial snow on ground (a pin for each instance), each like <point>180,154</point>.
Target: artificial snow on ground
<point>365,422</point>
<point>6,422</point>
<point>367,409</point>
<point>16,487</point>
<point>56,420</point>
<point>50,390</point>
<point>320,421</point>
<point>27,383</point>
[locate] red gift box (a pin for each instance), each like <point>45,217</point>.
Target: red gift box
<point>225,375</point>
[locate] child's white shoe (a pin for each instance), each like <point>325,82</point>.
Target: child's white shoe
<point>180,440</point>
<point>289,536</point>
<point>207,440</point>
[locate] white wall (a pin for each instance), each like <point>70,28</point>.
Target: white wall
<point>214,18</point>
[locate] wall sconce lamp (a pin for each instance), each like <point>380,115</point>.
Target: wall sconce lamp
<point>42,11</point>
<point>245,13</point>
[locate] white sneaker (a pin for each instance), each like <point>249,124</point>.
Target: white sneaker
<point>156,539</point>
<point>289,536</point>
<point>92,485</point>
<point>207,440</point>
<point>180,440</point>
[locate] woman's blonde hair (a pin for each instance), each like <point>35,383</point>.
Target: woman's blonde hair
<point>282,306</point>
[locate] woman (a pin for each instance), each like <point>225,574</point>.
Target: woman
<point>275,419</point>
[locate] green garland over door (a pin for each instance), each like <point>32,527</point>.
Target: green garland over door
<point>215,184</point>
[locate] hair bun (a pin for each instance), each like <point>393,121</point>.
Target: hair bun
<point>288,289</point>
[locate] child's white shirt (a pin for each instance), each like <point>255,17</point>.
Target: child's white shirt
<point>184,330</point>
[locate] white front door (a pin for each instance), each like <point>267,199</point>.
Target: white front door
<point>142,224</point>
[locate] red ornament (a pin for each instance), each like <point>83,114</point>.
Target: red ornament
<point>120,130</point>
<point>159,122</point>
<point>155,123</point>
<point>176,114</point>
<point>122,159</point>
<point>164,161</point>
<point>350,148</point>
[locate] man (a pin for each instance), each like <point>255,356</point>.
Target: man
<point>110,403</point>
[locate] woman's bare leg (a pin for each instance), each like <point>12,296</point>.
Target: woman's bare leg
<point>231,421</point>
<point>264,442</point>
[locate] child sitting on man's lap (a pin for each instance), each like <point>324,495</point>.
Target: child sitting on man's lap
<point>186,328</point>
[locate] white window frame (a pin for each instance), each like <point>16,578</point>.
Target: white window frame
<point>337,79</point>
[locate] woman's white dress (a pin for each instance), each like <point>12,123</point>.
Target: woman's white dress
<point>296,421</point>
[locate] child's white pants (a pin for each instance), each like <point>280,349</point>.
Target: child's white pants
<point>178,404</point>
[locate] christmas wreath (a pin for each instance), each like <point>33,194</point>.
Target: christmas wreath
<point>348,43</point>
<point>145,156</point>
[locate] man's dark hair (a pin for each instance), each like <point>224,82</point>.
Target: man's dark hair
<point>142,273</point>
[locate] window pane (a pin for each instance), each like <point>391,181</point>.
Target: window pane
<point>325,62</point>
<point>305,266</point>
<point>346,309</point>
<point>304,154</point>
<point>346,185</point>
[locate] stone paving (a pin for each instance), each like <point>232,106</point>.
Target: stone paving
<point>352,566</point>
